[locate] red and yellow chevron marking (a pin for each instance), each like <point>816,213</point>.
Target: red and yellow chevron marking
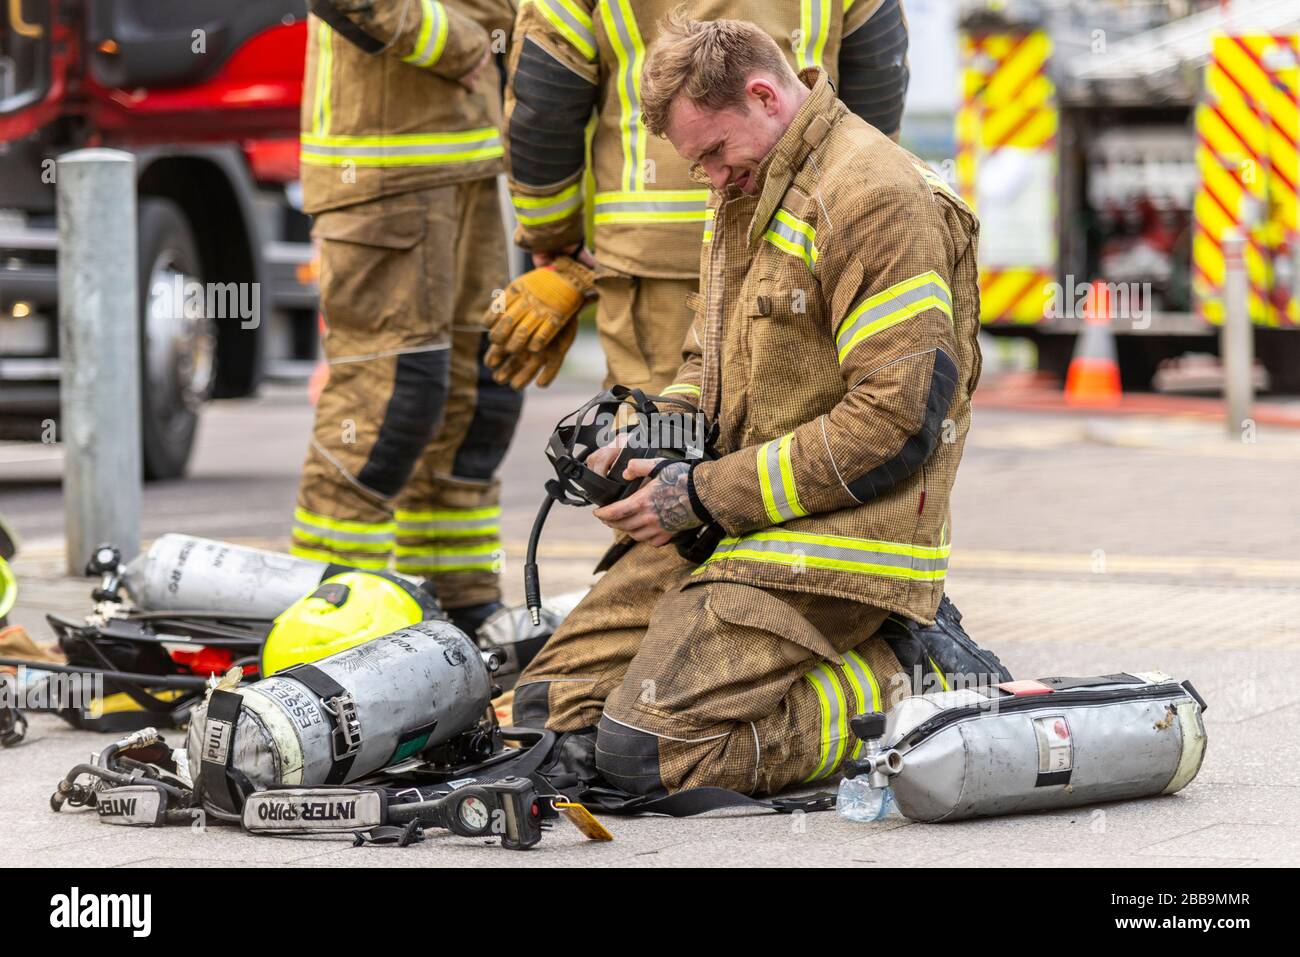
<point>977,66</point>
<point>1008,103</point>
<point>1248,154</point>
<point>1014,295</point>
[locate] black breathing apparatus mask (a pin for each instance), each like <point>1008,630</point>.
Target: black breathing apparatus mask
<point>645,427</point>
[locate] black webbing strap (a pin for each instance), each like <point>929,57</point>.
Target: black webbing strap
<point>327,689</point>
<point>697,801</point>
<point>346,28</point>
<point>218,749</point>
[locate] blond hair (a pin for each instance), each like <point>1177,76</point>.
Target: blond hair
<point>708,62</point>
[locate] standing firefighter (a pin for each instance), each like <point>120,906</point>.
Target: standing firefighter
<point>836,333</point>
<point>573,57</point>
<point>400,150</point>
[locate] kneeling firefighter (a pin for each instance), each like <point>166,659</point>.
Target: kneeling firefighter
<point>400,152</point>
<point>834,351</point>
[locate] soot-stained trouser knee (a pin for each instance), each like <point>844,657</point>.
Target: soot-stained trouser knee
<point>628,758</point>
<point>412,417</point>
<point>873,68</point>
<point>552,107</point>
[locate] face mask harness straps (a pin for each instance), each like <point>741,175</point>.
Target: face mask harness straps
<point>629,417</point>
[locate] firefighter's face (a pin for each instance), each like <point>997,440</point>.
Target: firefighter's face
<point>728,145</point>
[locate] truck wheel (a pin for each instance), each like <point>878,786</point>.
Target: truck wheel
<point>177,338</point>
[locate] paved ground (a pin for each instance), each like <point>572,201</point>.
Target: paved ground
<point>1081,546</point>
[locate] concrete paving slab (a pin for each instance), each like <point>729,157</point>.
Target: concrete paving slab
<point>1277,843</point>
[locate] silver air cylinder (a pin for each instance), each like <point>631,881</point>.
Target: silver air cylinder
<point>185,573</point>
<point>400,695</point>
<point>967,753</point>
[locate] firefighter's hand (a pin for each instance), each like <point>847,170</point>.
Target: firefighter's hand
<point>534,308</point>
<point>470,80</point>
<point>518,368</point>
<point>658,510</point>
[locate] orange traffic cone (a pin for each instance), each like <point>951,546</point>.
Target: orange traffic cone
<point>1093,379</point>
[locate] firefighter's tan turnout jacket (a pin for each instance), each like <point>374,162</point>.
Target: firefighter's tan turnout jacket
<point>574,57</point>
<point>835,346</point>
<point>390,117</point>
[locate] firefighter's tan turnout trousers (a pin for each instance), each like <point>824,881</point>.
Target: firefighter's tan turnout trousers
<point>410,428</point>
<point>712,683</point>
<point>642,323</point>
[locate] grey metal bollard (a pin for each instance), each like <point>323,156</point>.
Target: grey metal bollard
<point>99,321</point>
<point>1236,338</point>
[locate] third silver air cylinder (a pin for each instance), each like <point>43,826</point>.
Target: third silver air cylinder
<point>185,573</point>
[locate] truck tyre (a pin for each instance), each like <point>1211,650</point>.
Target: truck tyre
<point>177,338</point>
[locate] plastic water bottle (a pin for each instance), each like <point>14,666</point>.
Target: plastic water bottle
<point>858,800</point>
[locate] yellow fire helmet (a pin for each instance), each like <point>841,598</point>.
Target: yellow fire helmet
<point>8,589</point>
<point>344,611</point>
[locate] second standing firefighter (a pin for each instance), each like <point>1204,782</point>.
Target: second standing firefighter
<point>400,151</point>
<point>575,57</point>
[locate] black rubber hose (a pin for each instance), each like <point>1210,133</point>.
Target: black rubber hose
<point>532,586</point>
<point>192,682</point>
<point>78,795</point>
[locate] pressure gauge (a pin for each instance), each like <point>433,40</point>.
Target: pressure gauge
<point>474,815</point>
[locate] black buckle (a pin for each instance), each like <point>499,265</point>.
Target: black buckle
<point>346,739</point>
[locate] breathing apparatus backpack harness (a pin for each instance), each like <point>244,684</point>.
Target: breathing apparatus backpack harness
<point>620,414</point>
<point>133,782</point>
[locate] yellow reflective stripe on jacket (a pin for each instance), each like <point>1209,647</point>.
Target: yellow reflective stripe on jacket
<point>682,388</point>
<point>436,559</point>
<point>896,304</point>
<point>536,210</point>
<point>652,206</point>
<point>403,149</point>
<point>629,51</point>
<point>861,677</point>
<point>710,214</point>
<point>792,235</point>
<point>856,556</point>
<point>324,68</point>
<point>834,723</point>
<point>449,522</point>
<point>572,23</point>
<point>356,561</point>
<point>433,35</point>
<point>776,480</point>
<point>814,26</point>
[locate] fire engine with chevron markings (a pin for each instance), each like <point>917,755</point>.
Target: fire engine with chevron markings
<point>1122,144</point>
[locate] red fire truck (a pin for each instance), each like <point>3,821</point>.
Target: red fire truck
<point>205,93</point>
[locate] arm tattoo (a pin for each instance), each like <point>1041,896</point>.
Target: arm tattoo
<point>671,501</point>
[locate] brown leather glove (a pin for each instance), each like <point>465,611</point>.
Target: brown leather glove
<point>518,368</point>
<point>534,308</point>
